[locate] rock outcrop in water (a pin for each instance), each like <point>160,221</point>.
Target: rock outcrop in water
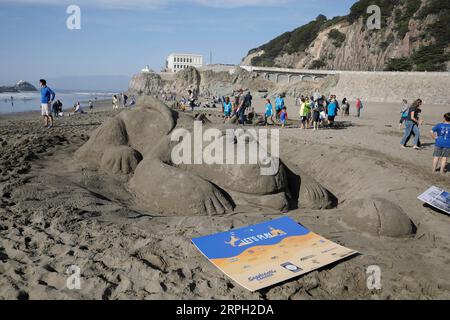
<point>24,86</point>
<point>413,36</point>
<point>21,86</point>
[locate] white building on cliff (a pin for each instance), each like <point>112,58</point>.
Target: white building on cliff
<point>179,61</point>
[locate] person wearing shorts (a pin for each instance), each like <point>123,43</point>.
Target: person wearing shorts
<point>47,97</point>
<point>441,133</point>
<point>283,117</point>
<point>227,109</point>
<point>332,111</point>
<point>316,114</point>
<point>305,109</point>
<point>404,113</point>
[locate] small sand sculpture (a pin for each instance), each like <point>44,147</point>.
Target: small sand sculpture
<point>378,217</point>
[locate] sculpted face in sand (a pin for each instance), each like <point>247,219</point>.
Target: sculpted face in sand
<point>138,143</point>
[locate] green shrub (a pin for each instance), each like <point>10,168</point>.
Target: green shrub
<point>434,7</point>
<point>337,37</point>
<point>332,22</point>
<point>318,64</point>
<point>402,19</point>
<point>289,42</point>
<point>430,58</point>
<point>401,64</point>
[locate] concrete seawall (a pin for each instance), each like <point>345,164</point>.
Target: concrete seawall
<point>431,87</point>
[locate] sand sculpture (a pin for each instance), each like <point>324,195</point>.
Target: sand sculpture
<point>378,217</point>
<point>138,143</point>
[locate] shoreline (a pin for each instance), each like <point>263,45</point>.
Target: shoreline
<point>99,105</point>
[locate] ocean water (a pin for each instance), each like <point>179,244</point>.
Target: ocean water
<point>30,101</point>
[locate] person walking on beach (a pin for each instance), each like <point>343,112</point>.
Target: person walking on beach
<point>248,101</point>
<point>404,113</point>
<point>316,108</point>
<point>115,102</point>
<point>235,106</point>
<point>283,117</point>
<point>227,109</point>
<point>125,100</point>
<point>47,97</point>
<point>332,111</point>
<point>269,113</point>
<point>359,106</point>
<point>279,105</point>
<point>441,133</point>
<point>412,124</point>
<point>191,100</point>
<point>317,95</point>
<point>304,111</point>
<point>91,105</point>
<point>345,107</point>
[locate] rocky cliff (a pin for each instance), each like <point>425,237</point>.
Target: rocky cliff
<point>21,86</point>
<point>414,36</point>
<point>146,83</point>
<point>206,82</point>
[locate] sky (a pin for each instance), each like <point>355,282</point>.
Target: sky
<point>118,38</point>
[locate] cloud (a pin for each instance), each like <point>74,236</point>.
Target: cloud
<point>152,4</point>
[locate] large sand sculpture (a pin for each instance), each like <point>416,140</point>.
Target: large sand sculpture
<point>138,143</point>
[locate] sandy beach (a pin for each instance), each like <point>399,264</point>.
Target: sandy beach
<point>55,213</point>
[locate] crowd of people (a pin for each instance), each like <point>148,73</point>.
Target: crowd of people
<point>122,100</point>
<point>314,112</point>
<point>241,107</point>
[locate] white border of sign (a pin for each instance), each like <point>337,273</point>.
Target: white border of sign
<point>431,196</point>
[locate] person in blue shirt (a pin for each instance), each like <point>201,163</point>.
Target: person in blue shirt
<point>441,133</point>
<point>47,97</point>
<point>332,111</point>
<point>227,108</point>
<point>279,105</point>
<point>269,112</point>
<point>283,117</point>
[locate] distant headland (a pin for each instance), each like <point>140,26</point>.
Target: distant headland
<point>21,86</point>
